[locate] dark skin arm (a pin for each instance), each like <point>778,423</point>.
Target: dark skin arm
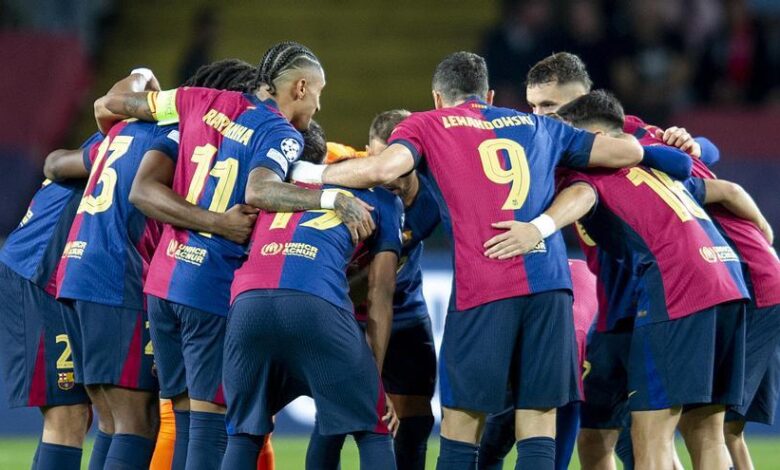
<point>152,194</point>
<point>132,88</point>
<point>65,164</point>
<point>266,191</point>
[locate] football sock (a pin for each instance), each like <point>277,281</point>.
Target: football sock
<point>100,451</point>
<point>536,453</point>
<point>162,458</point>
<point>208,439</point>
<point>242,451</point>
<point>624,449</point>
<point>266,459</point>
<point>376,450</point>
<point>182,439</point>
<point>57,457</point>
<point>411,442</point>
<point>455,455</point>
<point>567,425</point>
<point>129,452</point>
<point>498,438</point>
<point>324,452</point>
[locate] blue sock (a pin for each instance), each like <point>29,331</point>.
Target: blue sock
<point>208,439</point>
<point>536,453</point>
<point>100,450</point>
<point>376,450</point>
<point>182,439</point>
<point>567,425</point>
<point>242,452</point>
<point>129,452</point>
<point>498,438</point>
<point>411,442</point>
<point>455,455</point>
<point>624,449</point>
<point>35,457</point>
<point>57,457</point>
<point>324,452</point>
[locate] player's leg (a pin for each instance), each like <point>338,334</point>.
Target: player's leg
<point>624,449</point>
<point>498,438</point>
<point>735,442</point>
<point>162,458</point>
<point>266,459</point>
<point>702,430</point>
<point>595,448</point>
<point>324,452</point>
<point>546,376</point>
<point>165,331</point>
<point>652,433</point>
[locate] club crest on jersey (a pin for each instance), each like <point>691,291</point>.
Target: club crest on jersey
<point>291,149</point>
<point>65,380</point>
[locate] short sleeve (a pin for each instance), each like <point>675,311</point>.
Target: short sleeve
<point>390,215</point>
<point>697,187</point>
<point>166,140</point>
<point>409,134</point>
<point>278,148</point>
<point>89,149</point>
<point>573,145</point>
<point>423,216</point>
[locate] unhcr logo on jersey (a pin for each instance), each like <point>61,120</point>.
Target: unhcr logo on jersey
<point>74,249</point>
<point>715,254</point>
<point>303,250</point>
<point>188,254</point>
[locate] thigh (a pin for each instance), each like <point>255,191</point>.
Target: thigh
<point>165,331</point>
<point>410,362</point>
<point>203,339</point>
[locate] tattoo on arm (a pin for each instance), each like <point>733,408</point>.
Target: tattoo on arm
<point>138,107</point>
<point>348,209</point>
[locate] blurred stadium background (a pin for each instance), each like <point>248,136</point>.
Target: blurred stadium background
<point>712,66</point>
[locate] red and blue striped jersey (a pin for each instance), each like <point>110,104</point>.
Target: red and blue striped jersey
<point>224,136</point>
<point>310,251</point>
<point>646,219</point>
<point>111,242</point>
<point>34,248</point>
<point>489,164</point>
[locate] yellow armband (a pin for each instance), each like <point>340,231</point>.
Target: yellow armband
<point>163,106</point>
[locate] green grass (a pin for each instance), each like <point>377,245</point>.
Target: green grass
<point>16,453</point>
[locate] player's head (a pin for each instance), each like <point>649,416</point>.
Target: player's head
<point>459,76</point>
<point>225,74</point>
<point>598,111</point>
<point>555,81</point>
<point>292,76</point>
<point>381,128</point>
<point>314,144</point>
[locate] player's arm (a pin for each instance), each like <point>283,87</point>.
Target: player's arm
<point>266,190</point>
<point>65,164</point>
<point>152,194</point>
<point>139,81</point>
<point>381,287</point>
<point>396,160</point>
<point>571,204</point>
<point>737,201</point>
<point>615,152</point>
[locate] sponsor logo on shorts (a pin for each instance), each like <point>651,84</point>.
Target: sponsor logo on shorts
<point>631,393</point>
<point>303,250</point>
<point>74,249</point>
<point>65,380</point>
<point>715,254</point>
<point>188,254</point>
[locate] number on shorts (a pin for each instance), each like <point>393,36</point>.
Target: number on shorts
<point>65,361</point>
<point>148,349</point>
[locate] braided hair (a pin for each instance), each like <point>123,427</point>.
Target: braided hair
<point>225,74</point>
<point>315,146</point>
<point>280,58</point>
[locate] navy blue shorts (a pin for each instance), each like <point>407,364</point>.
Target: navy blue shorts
<point>762,367</point>
<point>526,343</point>
<point>410,359</point>
<point>111,346</point>
<point>188,346</point>
<point>35,352</point>
<point>698,359</point>
<point>605,380</point>
<point>281,344</point>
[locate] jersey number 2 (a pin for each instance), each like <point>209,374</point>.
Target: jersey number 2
<point>516,174</point>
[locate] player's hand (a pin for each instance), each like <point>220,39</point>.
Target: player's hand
<point>680,138</point>
<point>356,215</point>
<point>153,84</point>
<point>238,222</point>
<point>519,238</point>
<point>390,418</point>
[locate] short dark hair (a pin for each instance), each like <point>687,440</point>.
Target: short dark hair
<point>598,106</point>
<point>384,123</point>
<point>460,75</point>
<point>562,67</point>
<point>225,74</point>
<point>315,147</point>
<point>281,57</point>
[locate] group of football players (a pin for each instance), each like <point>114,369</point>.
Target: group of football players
<point>207,257</point>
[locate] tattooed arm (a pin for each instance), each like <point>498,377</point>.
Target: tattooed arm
<point>266,191</point>
<point>135,84</point>
<point>112,108</point>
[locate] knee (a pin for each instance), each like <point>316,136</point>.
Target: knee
<point>462,425</point>
<point>534,423</point>
<point>207,407</point>
<point>66,425</point>
<point>596,444</point>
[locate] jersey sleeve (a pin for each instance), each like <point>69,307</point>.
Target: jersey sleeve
<point>409,134</point>
<point>710,154</point>
<point>698,189</point>
<point>670,160</point>
<point>573,145</point>
<point>277,149</point>
<point>166,140</point>
<point>89,149</point>
<point>390,215</point>
<point>423,216</point>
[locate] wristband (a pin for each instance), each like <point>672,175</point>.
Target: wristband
<point>328,199</point>
<point>146,72</point>
<point>545,224</point>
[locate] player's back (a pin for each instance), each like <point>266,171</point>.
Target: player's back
<point>492,164</point>
<point>111,242</point>
<point>309,251</point>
